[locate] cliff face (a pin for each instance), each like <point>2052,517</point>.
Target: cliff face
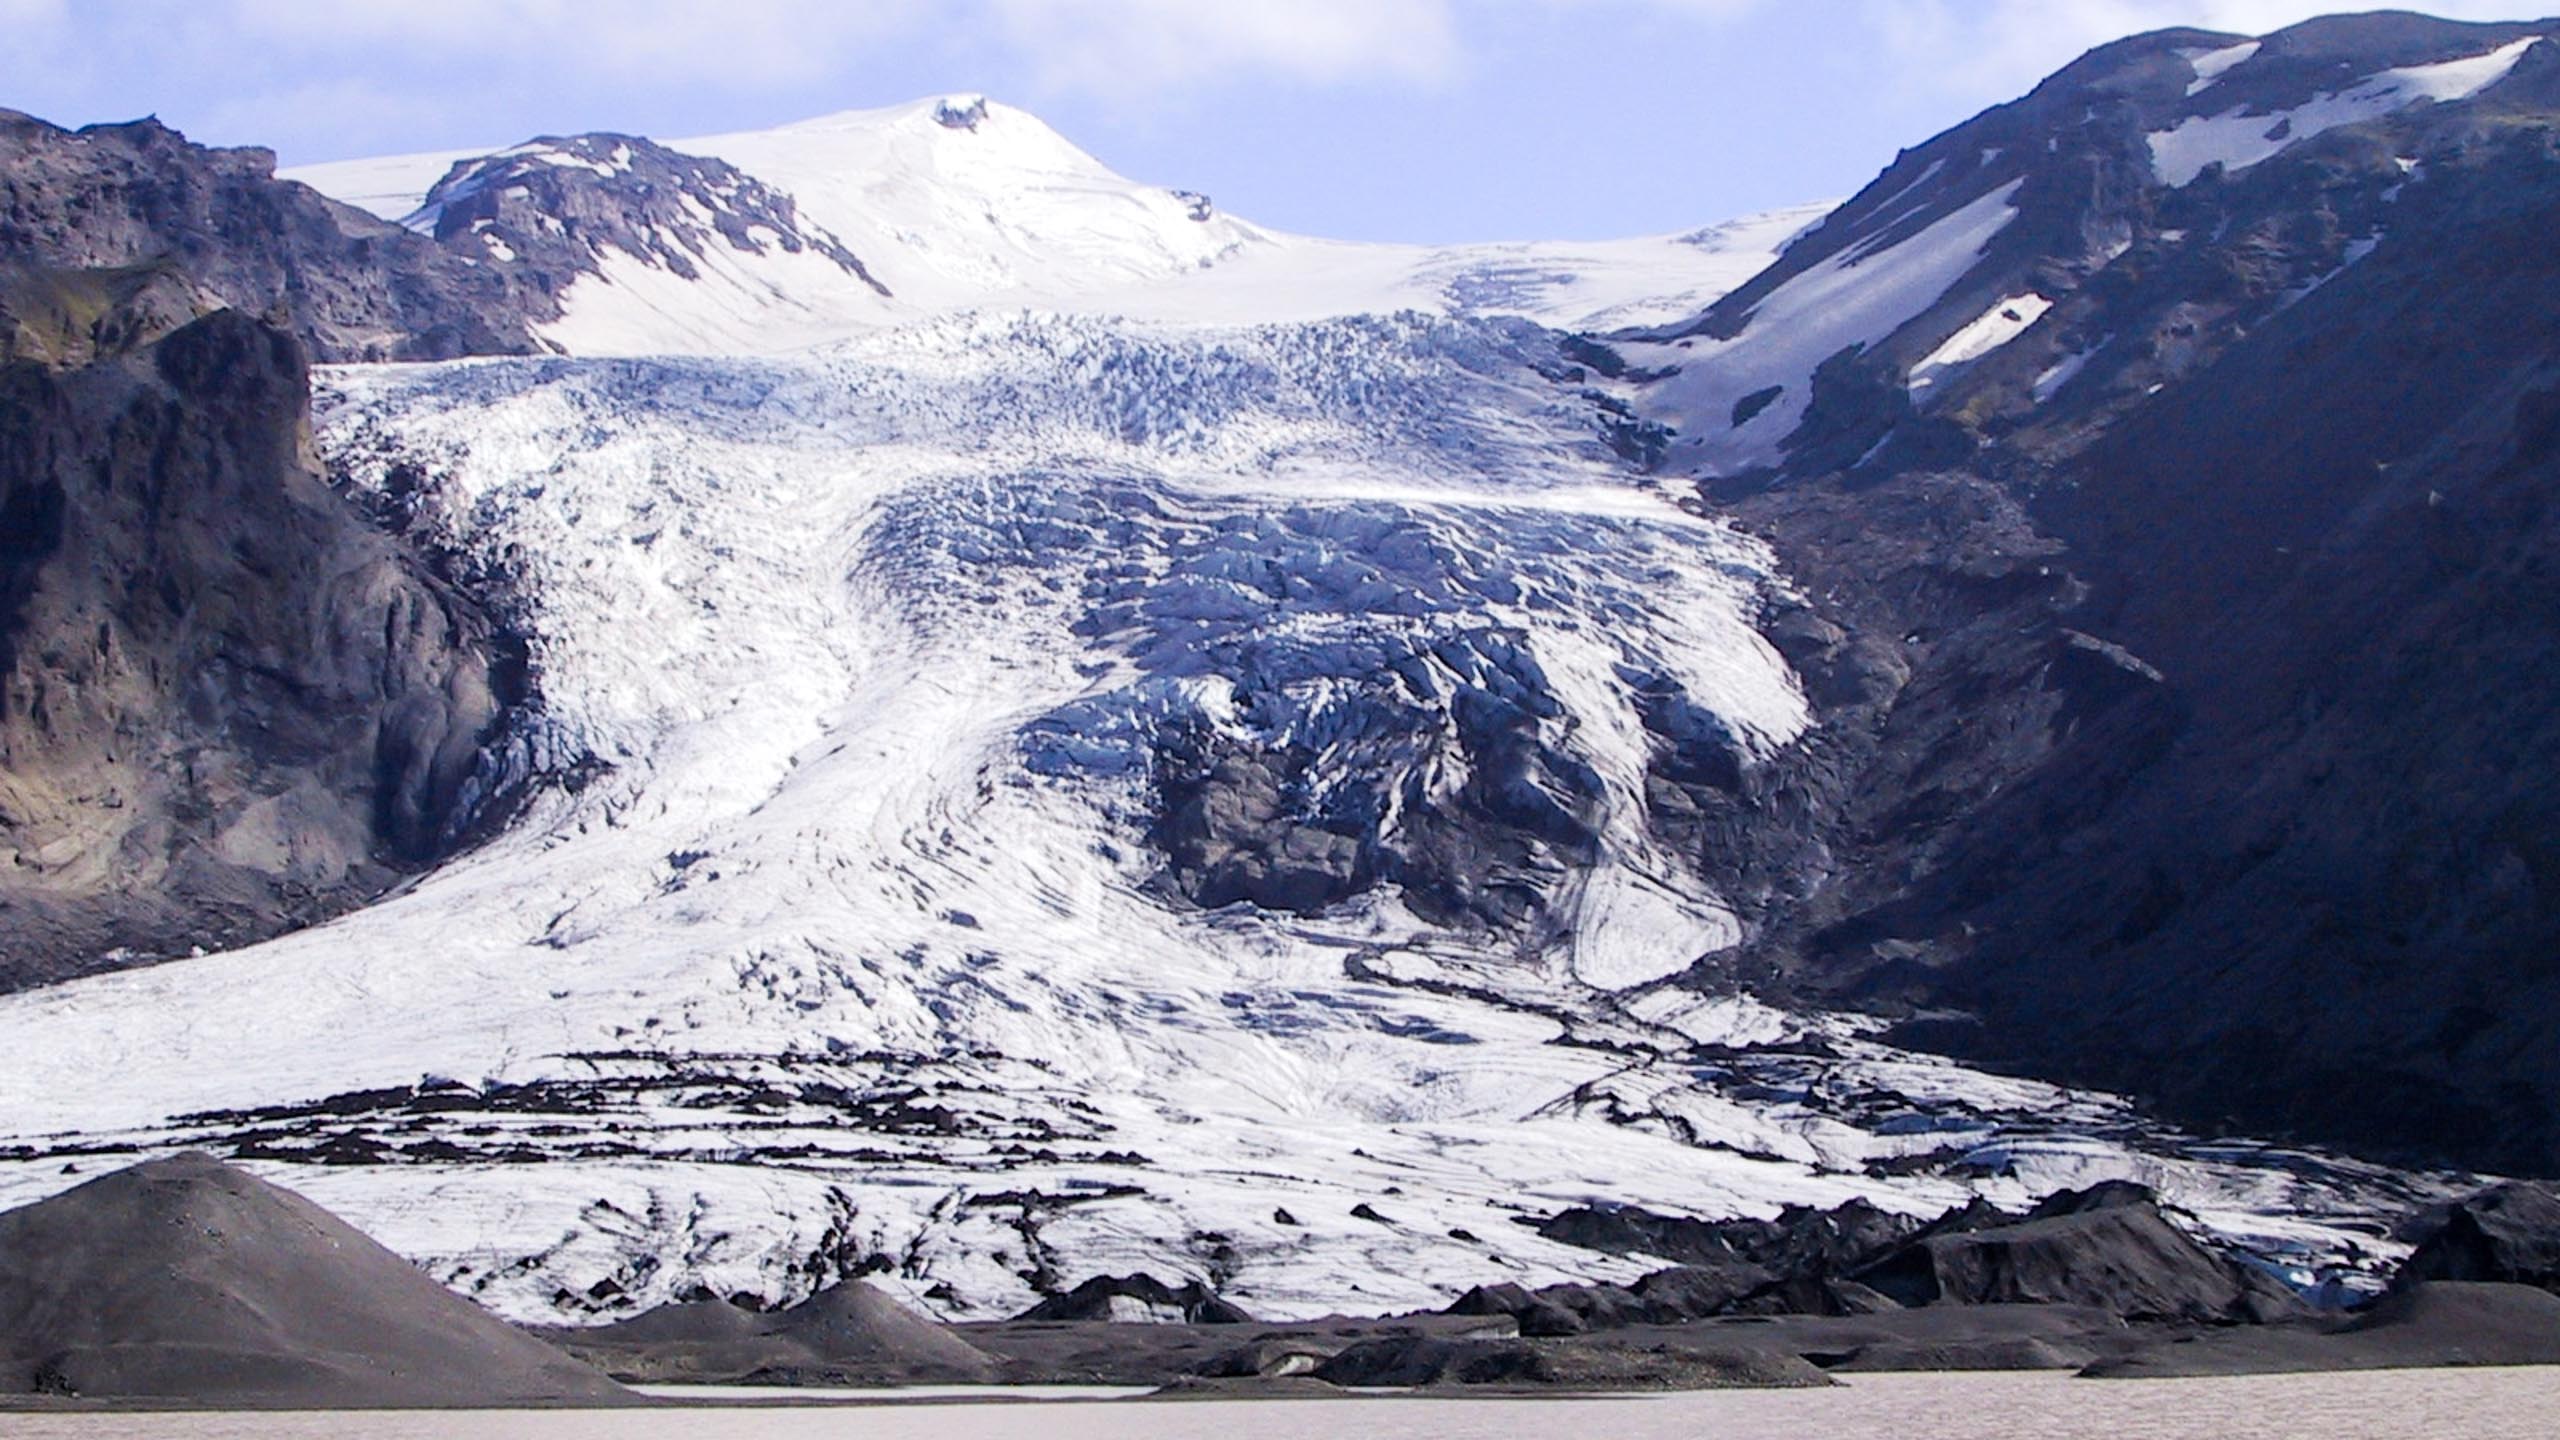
<point>228,706</point>
<point>2185,642</point>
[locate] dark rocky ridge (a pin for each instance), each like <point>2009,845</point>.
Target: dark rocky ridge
<point>550,209</point>
<point>228,705</point>
<point>1115,1297</point>
<point>847,1334</point>
<point>2186,725</point>
<point>503,238</point>
<point>219,224</point>
<point>2108,1250</point>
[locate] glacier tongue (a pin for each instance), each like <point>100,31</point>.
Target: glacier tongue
<point>922,709</point>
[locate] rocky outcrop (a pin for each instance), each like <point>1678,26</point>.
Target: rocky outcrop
<point>550,209</point>
<point>1798,1239</point>
<point>2109,1249</point>
<point>1139,1298</point>
<point>219,229</point>
<point>228,705</point>
<point>2106,1250</point>
<point>483,269</point>
<point>2507,1234</point>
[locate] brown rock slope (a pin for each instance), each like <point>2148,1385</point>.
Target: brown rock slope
<point>349,285</point>
<point>228,705</point>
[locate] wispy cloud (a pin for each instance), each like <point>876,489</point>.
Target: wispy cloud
<point>704,42</point>
<point>1112,47</point>
<point>1133,53</point>
<point>1999,48</point>
<point>1088,45</point>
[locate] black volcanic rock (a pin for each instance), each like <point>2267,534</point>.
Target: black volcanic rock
<point>2108,1249</point>
<point>1140,1297</point>
<point>1798,1239</point>
<point>2507,1234</point>
<point>228,705</point>
<point>1536,1313</point>
<point>187,1281</point>
<point>1797,1263</point>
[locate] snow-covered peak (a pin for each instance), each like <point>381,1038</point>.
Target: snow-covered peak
<point>961,201</point>
<point>957,202</point>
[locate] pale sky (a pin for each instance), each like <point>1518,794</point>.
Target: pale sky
<point>1364,119</point>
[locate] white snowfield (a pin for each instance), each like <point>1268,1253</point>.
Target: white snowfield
<point>965,204</point>
<point>845,949</point>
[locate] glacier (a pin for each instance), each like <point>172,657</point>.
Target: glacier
<point>1107,763</point>
<point>844,951</point>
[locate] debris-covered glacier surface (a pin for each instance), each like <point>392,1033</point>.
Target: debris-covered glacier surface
<point>1026,798</point>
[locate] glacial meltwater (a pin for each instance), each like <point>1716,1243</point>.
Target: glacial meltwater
<point>2512,1404</point>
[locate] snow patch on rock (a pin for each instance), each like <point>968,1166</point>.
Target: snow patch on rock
<point>1851,300</point>
<point>2237,139</point>
<point>2006,320</point>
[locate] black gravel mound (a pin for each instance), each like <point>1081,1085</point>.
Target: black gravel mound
<point>2437,1323</point>
<point>187,1281</point>
<point>849,1334</point>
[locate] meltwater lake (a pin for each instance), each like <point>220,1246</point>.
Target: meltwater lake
<point>2506,1404</point>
